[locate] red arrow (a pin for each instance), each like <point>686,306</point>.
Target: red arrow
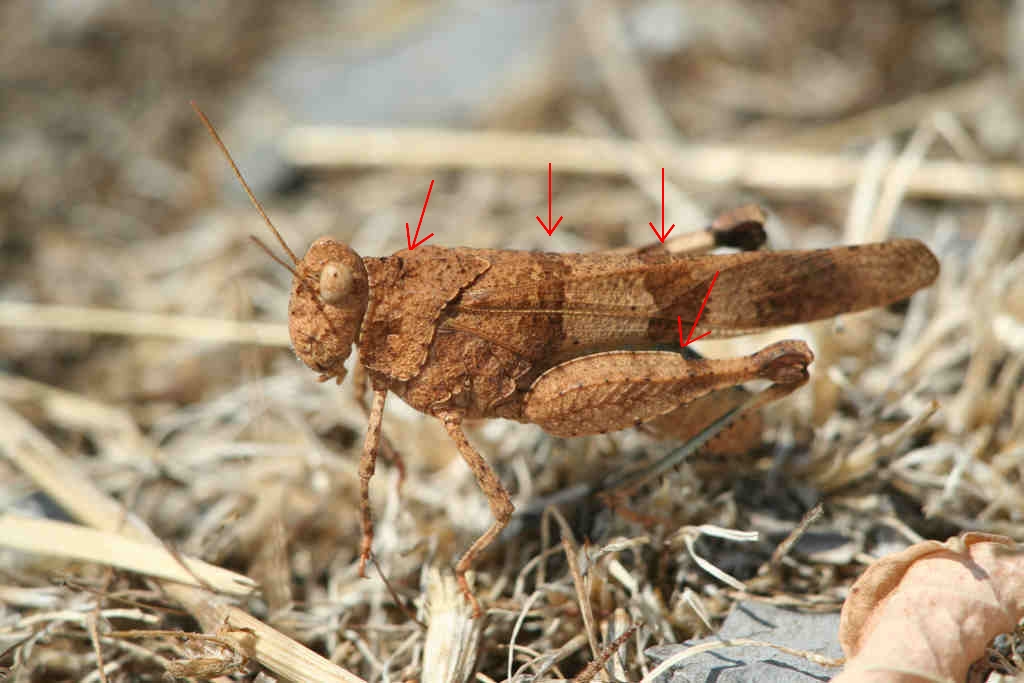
<point>663,234</point>
<point>415,240</point>
<point>548,230</point>
<point>692,329</point>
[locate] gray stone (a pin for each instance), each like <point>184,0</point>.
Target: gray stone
<point>816,633</point>
<point>449,68</point>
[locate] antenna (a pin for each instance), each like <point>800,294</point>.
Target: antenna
<point>252,197</point>
<point>278,259</point>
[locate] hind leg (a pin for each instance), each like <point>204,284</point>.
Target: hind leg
<point>682,424</point>
<point>606,392</point>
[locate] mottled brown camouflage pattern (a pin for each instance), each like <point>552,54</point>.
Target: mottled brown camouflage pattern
<point>578,343</point>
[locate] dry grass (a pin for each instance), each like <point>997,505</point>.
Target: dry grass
<point>146,392</point>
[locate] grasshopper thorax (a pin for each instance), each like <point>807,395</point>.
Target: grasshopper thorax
<point>329,296</point>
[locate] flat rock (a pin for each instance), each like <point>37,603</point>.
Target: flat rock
<point>816,633</point>
<point>450,67</point>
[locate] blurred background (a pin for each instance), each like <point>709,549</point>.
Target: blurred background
<point>847,122</point>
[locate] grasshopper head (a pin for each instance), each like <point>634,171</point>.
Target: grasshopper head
<point>329,291</point>
<point>329,295</point>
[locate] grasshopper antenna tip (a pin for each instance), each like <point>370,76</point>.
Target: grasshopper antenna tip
<point>248,191</point>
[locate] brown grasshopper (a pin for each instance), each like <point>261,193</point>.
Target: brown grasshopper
<point>571,342</point>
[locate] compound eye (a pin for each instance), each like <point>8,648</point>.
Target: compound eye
<point>335,283</point>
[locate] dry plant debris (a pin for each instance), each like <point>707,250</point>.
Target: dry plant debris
<point>861,121</point>
<point>930,611</point>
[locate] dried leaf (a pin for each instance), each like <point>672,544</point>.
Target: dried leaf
<point>931,610</point>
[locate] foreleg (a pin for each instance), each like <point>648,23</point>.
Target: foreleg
<point>367,464</point>
<point>388,450</point>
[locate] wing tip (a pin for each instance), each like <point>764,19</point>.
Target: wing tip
<point>917,264</point>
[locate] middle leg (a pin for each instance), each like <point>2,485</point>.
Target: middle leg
<point>497,497</point>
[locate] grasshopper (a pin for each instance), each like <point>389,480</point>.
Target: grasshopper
<point>574,343</point>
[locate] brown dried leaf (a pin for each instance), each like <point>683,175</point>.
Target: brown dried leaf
<point>930,611</point>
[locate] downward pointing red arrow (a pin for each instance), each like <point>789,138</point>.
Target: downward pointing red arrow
<point>548,230</point>
<point>689,337</point>
<point>415,240</point>
<point>663,234</point>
